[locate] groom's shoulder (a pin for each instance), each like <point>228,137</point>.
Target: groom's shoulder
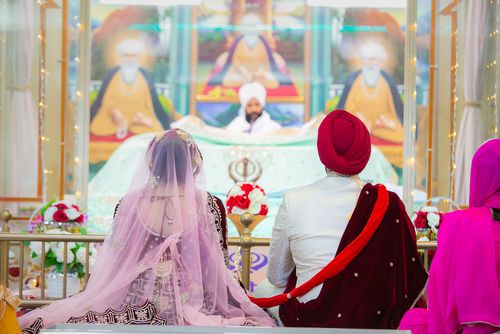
<point>303,193</point>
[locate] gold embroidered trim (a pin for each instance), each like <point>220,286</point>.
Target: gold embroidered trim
<point>7,297</point>
<point>3,305</point>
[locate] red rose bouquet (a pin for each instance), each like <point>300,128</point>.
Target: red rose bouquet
<point>247,197</point>
<point>58,215</point>
<point>426,222</point>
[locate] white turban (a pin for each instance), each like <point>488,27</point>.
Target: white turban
<point>130,46</point>
<point>252,90</point>
<point>372,50</point>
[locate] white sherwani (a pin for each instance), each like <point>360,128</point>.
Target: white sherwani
<point>262,125</point>
<point>307,232</point>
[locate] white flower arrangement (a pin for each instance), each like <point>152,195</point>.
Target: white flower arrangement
<point>54,255</point>
<point>426,222</point>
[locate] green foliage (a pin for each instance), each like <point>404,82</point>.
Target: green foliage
<point>46,206</point>
<point>52,262</point>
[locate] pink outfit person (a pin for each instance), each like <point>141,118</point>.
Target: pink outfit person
<point>464,280</point>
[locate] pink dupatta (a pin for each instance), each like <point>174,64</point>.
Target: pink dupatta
<point>163,253</point>
<point>463,290</point>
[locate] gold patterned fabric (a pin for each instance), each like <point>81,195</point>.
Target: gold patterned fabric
<point>8,305</point>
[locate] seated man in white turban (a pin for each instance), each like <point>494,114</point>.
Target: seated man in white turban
<point>253,118</point>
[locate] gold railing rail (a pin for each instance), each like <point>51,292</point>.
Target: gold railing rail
<point>18,239</point>
<point>8,240</point>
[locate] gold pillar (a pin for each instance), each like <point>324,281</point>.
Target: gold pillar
<point>245,223</point>
<point>5,216</point>
<point>246,249</point>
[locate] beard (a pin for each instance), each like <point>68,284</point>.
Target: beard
<point>252,117</point>
<point>251,40</point>
<point>129,73</point>
<point>370,75</point>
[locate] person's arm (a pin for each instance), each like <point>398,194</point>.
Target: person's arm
<point>96,105</point>
<point>280,257</point>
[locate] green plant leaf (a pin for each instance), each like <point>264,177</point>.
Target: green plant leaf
<point>52,262</point>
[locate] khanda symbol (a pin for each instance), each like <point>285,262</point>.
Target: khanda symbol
<point>245,170</point>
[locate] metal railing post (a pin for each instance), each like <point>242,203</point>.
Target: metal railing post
<point>5,216</point>
<point>4,261</point>
<point>246,250</point>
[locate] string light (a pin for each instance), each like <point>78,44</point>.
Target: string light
<point>77,166</point>
<point>495,74</point>
<point>410,125</point>
<point>453,133</point>
<point>41,105</point>
<point>491,66</point>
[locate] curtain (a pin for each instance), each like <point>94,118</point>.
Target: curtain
<point>471,131</point>
<point>21,141</point>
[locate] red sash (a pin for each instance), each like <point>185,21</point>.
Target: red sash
<point>341,261</point>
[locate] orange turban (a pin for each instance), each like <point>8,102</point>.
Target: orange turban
<point>344,144</point>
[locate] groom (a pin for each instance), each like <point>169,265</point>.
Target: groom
<point>343,254</point>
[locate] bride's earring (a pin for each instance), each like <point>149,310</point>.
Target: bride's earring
<point>156,181</point>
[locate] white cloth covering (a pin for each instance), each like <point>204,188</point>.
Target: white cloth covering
<point>262,126</point>
<point>470,135</point>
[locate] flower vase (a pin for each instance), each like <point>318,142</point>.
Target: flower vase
<point>54,283</point>
<point>45,226</point>
<point>236,219</point>
<point>422,234</point>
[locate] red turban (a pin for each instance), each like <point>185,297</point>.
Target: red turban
<point>344,144</point>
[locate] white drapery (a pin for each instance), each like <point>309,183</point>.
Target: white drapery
<point>470,135</point>
<point>21,135</point>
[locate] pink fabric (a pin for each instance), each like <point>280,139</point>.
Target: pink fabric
<point>163,248</point>
<point>463,290</point>
<point>496,235</point>
<point>485,176</point>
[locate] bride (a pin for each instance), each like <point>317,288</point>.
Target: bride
<point>162,263</point>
